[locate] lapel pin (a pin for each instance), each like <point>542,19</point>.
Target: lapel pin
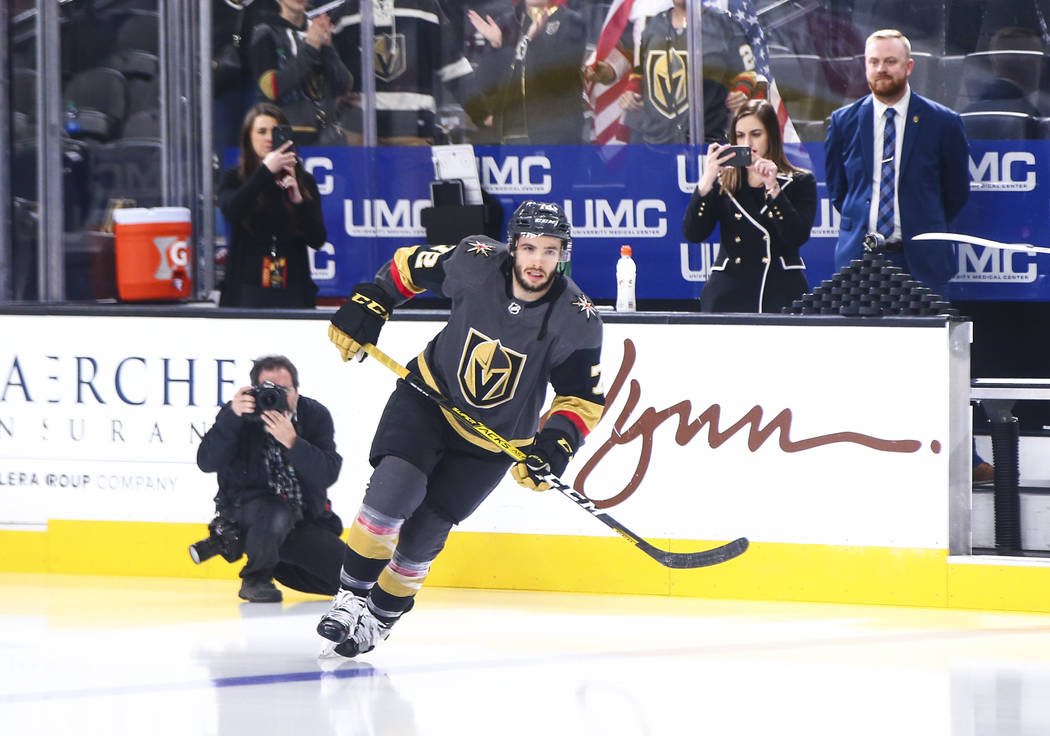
<point>915,119</point>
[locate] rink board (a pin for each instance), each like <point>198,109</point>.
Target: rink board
<point>834,447</point>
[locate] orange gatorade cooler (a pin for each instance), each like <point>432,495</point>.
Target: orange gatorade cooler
<point>153,253</point>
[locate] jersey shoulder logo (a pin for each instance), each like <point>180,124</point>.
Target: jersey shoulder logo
<point>488,371</point>
<point>481,249</point>
<point>585,305</point>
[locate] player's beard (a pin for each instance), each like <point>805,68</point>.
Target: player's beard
<point>888,87</point>
<point>519,276</point>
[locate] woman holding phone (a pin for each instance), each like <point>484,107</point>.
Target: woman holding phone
<point>273,210</point>
<point>765,208</point>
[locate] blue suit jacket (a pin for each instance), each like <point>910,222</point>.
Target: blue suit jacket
<point>933,184</point>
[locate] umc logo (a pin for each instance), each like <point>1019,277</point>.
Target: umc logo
<point>827,222</point>
<point>373,218</point>
<point>707,252</point>
<point>991,265</point>
<point>488,372</point>
<point>517,175</point>
<point>627,219</point>
<point>1012,171</point>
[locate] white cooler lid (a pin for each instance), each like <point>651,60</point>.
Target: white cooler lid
<point>147,215</point>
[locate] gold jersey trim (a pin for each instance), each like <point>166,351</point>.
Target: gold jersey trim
<point>401,256</point>
<point>588,412</point>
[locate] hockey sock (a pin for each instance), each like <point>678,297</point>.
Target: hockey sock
<point>369,549</point>
<point>398,584</point>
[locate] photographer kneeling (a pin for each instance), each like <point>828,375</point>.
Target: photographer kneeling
<point>274,452</point>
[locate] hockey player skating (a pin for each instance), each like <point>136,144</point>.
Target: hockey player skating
<point>517,323</point>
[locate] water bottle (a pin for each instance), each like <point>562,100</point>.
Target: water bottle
<point>625,277</point>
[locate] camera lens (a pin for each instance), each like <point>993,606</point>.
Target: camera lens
<point>204,549</point>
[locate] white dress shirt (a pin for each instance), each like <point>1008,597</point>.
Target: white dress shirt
<point>879,119</point>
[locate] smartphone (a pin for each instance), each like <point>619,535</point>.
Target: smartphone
<point>282,133</point>
<point>741,156</point>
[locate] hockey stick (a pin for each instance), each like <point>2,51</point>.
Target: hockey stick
<point>974,240</point>
<point>677,560</point>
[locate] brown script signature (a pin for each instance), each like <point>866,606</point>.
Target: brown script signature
<point>650,419</point>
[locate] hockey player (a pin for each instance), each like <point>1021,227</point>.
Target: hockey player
<point>516,323</point>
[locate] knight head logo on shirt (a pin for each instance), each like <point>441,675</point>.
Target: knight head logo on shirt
<point>665,79</point>
<point>488,371</point>
<point>390,56</point>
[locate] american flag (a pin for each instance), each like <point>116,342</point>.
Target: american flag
<point>743,11</point>
<point>607,124</point>
<point>606,116</point>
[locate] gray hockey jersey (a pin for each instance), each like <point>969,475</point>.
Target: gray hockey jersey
<point>497,354</point>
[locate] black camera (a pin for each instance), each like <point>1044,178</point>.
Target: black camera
<point>268,395</point>
<point>224,538</point>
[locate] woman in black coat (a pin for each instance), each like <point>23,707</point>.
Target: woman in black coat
<point>765,212</point>
<point>274,211</point>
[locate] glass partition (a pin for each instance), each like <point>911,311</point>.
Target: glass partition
<point>604,107</point>
<point>24,237</point>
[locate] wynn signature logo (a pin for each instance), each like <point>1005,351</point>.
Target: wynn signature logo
<point>644,427</point>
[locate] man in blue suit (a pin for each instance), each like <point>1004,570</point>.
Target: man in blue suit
<point>898,165</point>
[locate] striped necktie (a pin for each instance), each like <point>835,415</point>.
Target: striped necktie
<point>884,221</point>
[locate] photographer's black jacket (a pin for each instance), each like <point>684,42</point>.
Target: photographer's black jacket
<point>234,449</point>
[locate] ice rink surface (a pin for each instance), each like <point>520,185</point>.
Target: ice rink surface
<point>86,655</point>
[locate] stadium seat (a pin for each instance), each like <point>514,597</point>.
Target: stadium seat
<point>922,21</point>
<point>949,79</point>
<point>846,78</point>
<point>925,76</point>
<point>143,94</point>
<point>96,102</point>
<point>76,165</point>
<point>797,77</point>
<point>999,125</point>
<point>125,169</point>
<point>142,124</point>
<point>137,46</point>
<point>811,131</point>
<point>140,31</point>
<point>23,92</point>
<point>980,70</point>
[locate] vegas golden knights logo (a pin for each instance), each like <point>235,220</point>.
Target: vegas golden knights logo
<point>665,79</point>
<point>488,372</point>
<point>390,55</point>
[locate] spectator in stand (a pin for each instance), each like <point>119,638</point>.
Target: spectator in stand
<point>657,102</point>
<point>274,213</point>
<point>1016,76</point>
<point>416,52</point>
<point>534,74</point>
<point>297,68</point>
<point>233,92</point>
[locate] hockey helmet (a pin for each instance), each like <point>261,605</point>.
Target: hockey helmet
<point>533,219</point>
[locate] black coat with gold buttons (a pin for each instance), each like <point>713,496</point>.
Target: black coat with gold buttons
<point>758,267</point>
